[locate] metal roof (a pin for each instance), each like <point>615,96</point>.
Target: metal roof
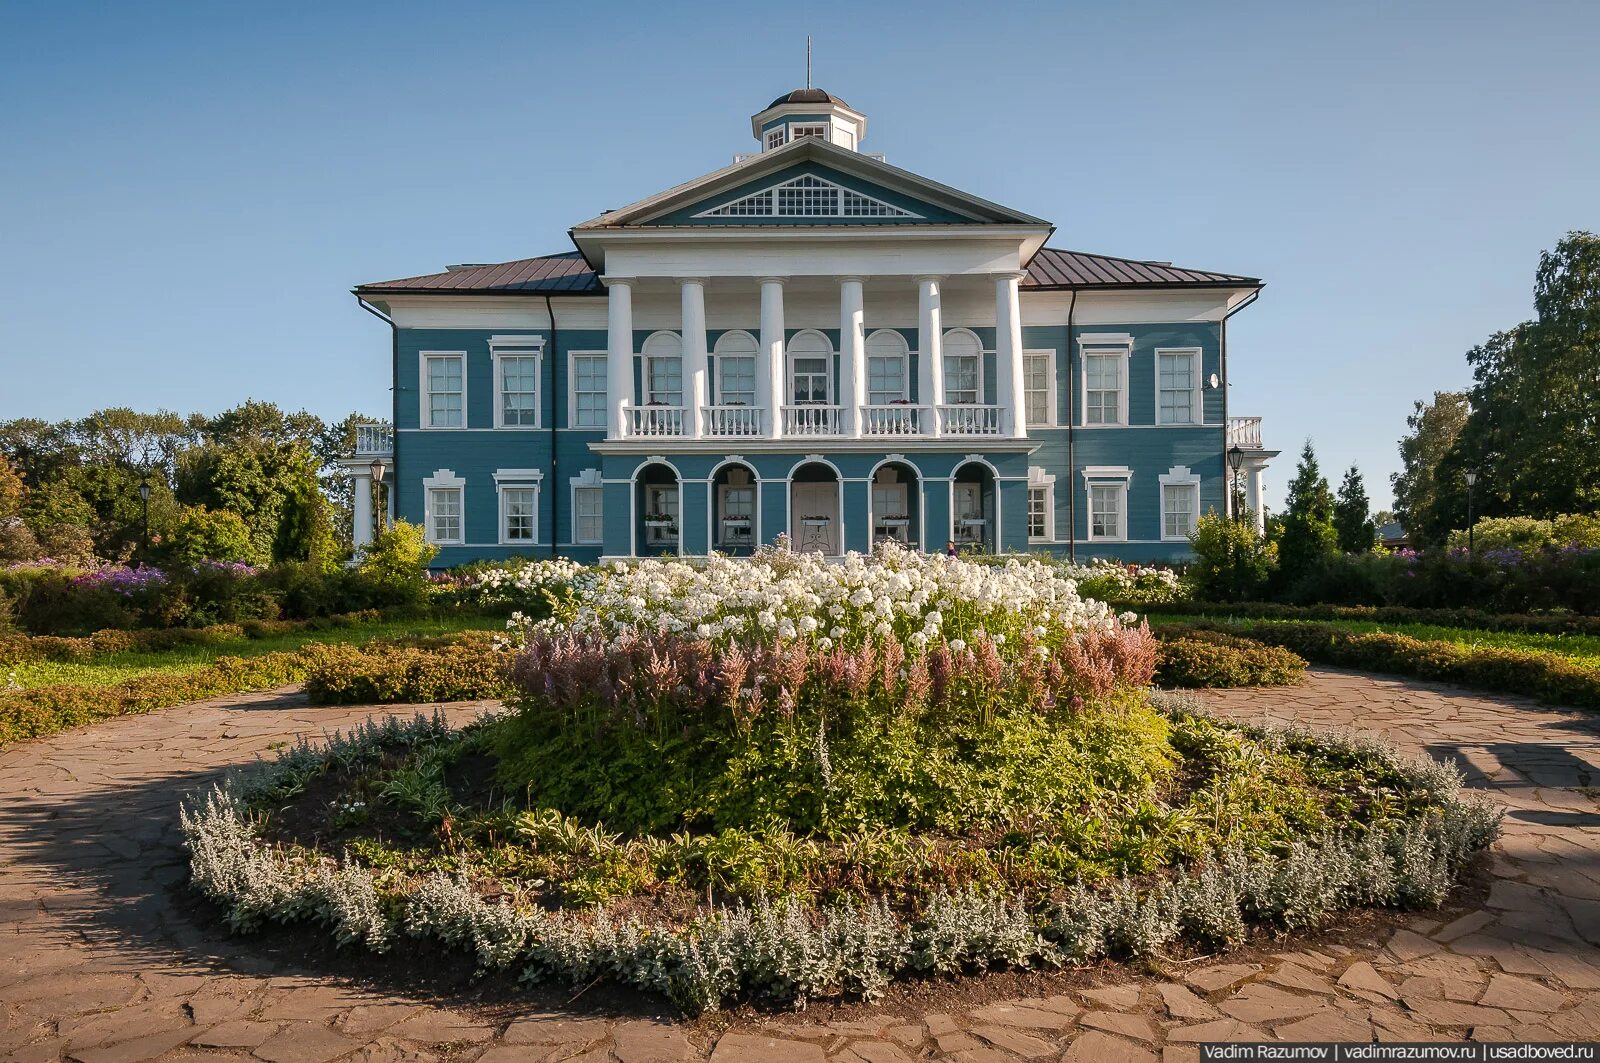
<point>806,96</point>
<point>568,274</point>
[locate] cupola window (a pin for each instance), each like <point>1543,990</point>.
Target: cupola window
<point>808,129</point>
<point>776,138</point>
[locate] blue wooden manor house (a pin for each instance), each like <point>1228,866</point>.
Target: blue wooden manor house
<point>810,342</point>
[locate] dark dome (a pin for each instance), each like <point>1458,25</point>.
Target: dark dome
<point>806,96</point>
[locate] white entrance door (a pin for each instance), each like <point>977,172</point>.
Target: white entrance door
<point>814,517</point>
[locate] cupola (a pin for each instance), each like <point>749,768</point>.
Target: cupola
<point>808,112</point>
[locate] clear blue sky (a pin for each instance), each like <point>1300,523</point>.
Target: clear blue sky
<point>187,192</point>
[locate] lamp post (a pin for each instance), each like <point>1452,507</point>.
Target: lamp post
<point>1235,460</point>
<point>377,491</point>
<point>144,535</point>
<point>1472,478</point>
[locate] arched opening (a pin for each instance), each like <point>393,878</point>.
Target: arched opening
<point>895,501</point>
<point>816,508</point>
<point>658,508</point>
<point>735,509</point>
<point>734,411</point>
<point>809,408</point>
<point>972,506</point>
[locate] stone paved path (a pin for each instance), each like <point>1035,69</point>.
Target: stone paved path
<point>99,964</point>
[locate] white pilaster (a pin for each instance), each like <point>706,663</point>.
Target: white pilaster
<point>771,390</point>
<point>361,513</point>
<point>1009,380</point>
<point>852,356</point>
<point>619,353</point>
<point>696,385</point>
<point>930,351</point>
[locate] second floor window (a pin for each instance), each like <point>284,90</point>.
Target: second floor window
<point>887,368</point>
<point>736,369</point>
<point>963,368</point>
<point>588,391</point>
<point>1177,376</point>
<point>519,390</point>
<point>1102,382</point>
<point>1036,391</point>
<point>446,384</point>
<point>663,369</point>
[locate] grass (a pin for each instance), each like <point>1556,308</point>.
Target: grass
<point>118,667</point>
<point>1582,650</point>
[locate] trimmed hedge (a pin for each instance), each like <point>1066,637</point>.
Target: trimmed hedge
<point>1201,658</point>
<point>1548,677</point>
<point>49,709</point>
<point>16,649</point>
<point>453,669</point>
<point>1529,623</point>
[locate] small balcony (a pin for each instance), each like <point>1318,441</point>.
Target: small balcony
<point>969,420</point>
<point>1244,433</point>
<point>813,420</point>
<point>374,440</point>
<point>650,422</point>
<point>894,419</point>
<point>734,422</point>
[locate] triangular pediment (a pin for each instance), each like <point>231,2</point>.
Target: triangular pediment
<point>808,196</point>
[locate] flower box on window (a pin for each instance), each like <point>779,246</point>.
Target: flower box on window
<point>894,522</point>
<point>973,522</point>
<point>816,522</point>
<point>736,522</point>
<point>660,520</point>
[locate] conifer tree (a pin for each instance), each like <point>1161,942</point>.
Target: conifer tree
<point>1309,538</point>
<point>1352,515</point>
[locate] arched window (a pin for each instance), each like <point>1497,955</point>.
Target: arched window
<point>963,368</point>
<point>888,368</point>
<point>810,369</point>
<point>663,369</point>
<point>736,369</point>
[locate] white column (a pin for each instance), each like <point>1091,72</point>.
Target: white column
<point>930,351</point>
<point>619,353</point>
<point>852,357</point>
<point>1009,380</point>
<point>696,387</point>
<point>1252,496</point>
<point>770,385</point>
<point>361,515</point>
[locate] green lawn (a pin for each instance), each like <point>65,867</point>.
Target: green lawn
<point>1582,650</point>
<point>113,668</point>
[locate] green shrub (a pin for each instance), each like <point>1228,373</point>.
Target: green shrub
<point>1196,657</point>
<point>458,668</point>
<point>202,534</point>
<point>1529,534</point>
<point>394,566</point>
<point>1232,561</point>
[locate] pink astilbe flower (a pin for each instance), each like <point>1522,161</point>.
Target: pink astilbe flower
<point>919,685</point>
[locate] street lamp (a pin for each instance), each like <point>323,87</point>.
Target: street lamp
<point>1472,478</point>
<point>377,490</point>
<point>1235,460</point>
<point>144,538</point>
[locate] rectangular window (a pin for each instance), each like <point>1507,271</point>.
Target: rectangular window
<point>886,380</point>
<point>775,138</point>
<point>961,379</point>
<point>1177,376</point>
<point>810,129</point>
<point>1106,511</point>
<point>736,384</point>
<point>810,380</point>
<point>664,381</point>
<point>588,391</point>
<point>1038,513</point>
<point>519,508</point>
<point>519,390</point>
<point>444,514</point>
<point>587,510</point>
<point>1102,375</point>
<point>446,390</point>
<point>1038,396</point>
<point>1179,503</point>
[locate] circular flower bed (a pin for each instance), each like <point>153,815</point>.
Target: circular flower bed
<point>779,778</point>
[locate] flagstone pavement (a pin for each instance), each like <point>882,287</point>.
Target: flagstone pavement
<point>100,961</point>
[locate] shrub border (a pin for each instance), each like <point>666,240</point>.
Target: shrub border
<point>1527,623</point>
<point>785,952</point>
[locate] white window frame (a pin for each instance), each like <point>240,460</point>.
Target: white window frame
<point>517,479</point>
<point>587,480</point>
<point>769,202</point>
<point>425,402</point>
<point>501,347</point>
<point>813,129</point>
<point>444,480</point>
<point>722,352</point>
<point>776,137</point>
<point>1196,389</point>
<point>1052,397</point>
<point>646,357</point>
<point>1040,480</point>
<point>656,537</point>
<point>944,353</point>
<point>1176,477</point>
<point>827,355</point>
<point>1108,345</point>
<point>902,352</point>
<point>572,391</point>
<point>1117,477</point>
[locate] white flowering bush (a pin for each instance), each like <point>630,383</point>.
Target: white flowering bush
<point>525,585</point>
<point>1116,582</point>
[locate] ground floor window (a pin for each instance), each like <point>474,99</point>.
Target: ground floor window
<point>444,514</point>
<point>587,510</point>
<point>738,514</point>
<point>970,520</point>
<point>1038,512</point>
<point>519,514</point>
<point>661,515</point>
<point>1180,503</point>
<point>1108,511</point>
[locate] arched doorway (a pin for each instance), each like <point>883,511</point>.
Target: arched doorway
<point>816,508</point>
<point>895,501</point>
<point>735,509</point>
<point>972,506</point>
<point>658,510</point>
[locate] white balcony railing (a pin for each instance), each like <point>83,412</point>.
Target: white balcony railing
<point>655,421</point>
<point>812,420</point>
<point>1244,433</point>
<point>740,422</point>
<point>893,419</point>
<point>969,420</point>
<point>374,439</point>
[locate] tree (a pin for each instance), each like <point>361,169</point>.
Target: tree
<point>1352,515</point>
<point>1434,427</point>
<point>1232,561</point>
<point>1309,538</point>
<point>13,492</point>
<point>202,534</point>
